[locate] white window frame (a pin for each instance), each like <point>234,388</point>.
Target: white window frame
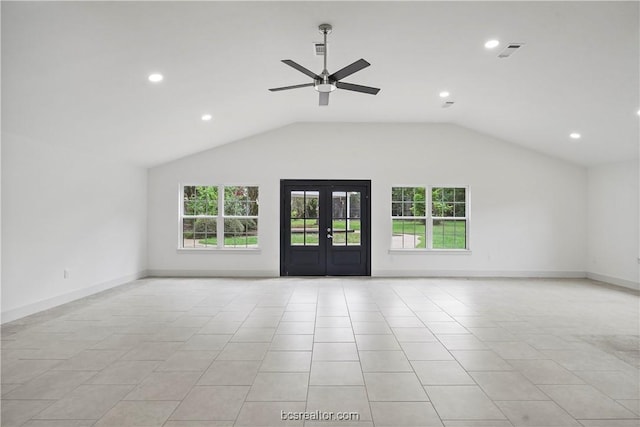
<point>427,208</point>
<point>220,217</point>
<point>429,220</point>
<point>432,218</point>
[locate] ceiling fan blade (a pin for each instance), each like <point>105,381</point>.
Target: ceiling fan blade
<point>302,69</point>
<point>358,88</point>
<point>275,89</point>
<point>349,69</point>
<point>324,98</point>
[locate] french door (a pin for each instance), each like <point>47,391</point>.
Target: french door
<point>325,228</point>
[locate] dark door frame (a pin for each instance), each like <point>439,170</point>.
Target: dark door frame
<point>328,183</point>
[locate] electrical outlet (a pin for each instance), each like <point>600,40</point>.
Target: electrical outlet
<point>67,273</point>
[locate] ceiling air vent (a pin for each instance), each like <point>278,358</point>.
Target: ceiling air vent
<point>510,50</point>
<point>447,104</point>
<point>319,49</point>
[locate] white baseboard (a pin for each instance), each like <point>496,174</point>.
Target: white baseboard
<point>213,273</point>
<point>26,310</point>
<point>379,273</point>
<point>614,281</point>
<point>481,273</point>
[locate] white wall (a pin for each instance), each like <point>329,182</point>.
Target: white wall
<point>527,210</point>
<point>614,253</point>
<point>66,210</point>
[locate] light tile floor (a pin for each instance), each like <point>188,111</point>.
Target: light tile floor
<point>397,352</point>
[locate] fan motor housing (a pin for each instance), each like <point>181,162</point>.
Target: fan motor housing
<point>325,28</point>
<point>324,87</point>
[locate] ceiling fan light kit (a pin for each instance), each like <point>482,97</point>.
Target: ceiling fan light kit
<point>325,83</point>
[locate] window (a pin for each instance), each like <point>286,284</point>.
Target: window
<point>408,218</point>
<point>437,222</point>
<point>449,216</point>
<point>240,217</point>
<point>229,212</point>
<point>200,217</point>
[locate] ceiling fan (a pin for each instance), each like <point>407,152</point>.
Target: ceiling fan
<point>326,83</point>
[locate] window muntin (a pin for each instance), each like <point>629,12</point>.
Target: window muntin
<point>408,218</point>
<point>240,217</point>
<point>449,216</point>
<point>199,219</point>
<point>212,211</point>
<point>240,201</point>
<point>200,200</point>
<point>441,222</point>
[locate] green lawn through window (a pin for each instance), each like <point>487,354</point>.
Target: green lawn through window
<point>449,235</point>
<point>231,241</point>
<point>446,234</point>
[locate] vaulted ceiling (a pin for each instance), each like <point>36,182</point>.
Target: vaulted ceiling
<point>75,73</point>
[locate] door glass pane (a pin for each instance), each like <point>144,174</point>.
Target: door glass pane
<point>339,203</point>
<point>297,232</point>
<point>339,238</point>
<point>354,204</point>
<point>311,204</point>
<point>297,204</point>
<point>305,211</point>
<point>353,238</point>
<point>346,209</point>
<point>339,211</point>
<point>311,232</point>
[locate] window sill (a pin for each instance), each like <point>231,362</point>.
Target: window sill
<point>431,251</point>
<point>220,250</point>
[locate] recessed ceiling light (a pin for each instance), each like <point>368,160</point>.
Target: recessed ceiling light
<point>206,117</point>
<point>639,112</point>
<point>444,94</point>
<point>155,77</point>
<point>491,44</point>
<point>575,135</point>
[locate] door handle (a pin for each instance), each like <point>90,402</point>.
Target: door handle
<point>329,235</point>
